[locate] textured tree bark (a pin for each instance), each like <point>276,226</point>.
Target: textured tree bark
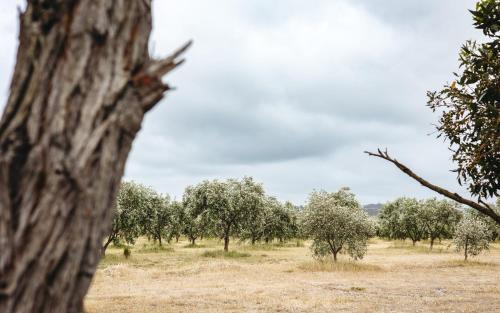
<point>81,86</point>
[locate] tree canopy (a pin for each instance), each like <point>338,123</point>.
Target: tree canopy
<point>472,236</point>
<point>469,106</point>
<point>336,222</point>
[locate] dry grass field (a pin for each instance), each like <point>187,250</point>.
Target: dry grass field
<point>393,277</point>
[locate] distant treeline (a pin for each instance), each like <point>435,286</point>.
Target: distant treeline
<point>335,222</point>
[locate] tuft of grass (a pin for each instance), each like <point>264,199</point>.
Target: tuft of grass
<point>260,247</point>
<point>273,246</point>
<point>358,289</point>
<point>155,249</point>
<point>299,244</point>
<point>340,266</point>
<point>195,246</point>
<point>421,247</point>
<point>224,254</point>
<point>468,263</point>
<point>112,258</point>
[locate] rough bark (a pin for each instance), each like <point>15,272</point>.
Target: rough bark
<point>479,206</point>
<point>81,86</point>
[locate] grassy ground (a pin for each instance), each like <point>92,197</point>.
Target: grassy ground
<point>394,277</point>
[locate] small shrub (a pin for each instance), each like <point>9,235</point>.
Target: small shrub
<point>358,289</point>
<point>126,252</point>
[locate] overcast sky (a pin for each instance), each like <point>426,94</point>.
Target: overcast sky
<point>292,92</point>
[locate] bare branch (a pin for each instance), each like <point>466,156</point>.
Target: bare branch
<point>485,209</point>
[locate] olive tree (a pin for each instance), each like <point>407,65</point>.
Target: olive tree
<point>336,222</point>
<point>82,84</point>
<point>147,212</point>
<point>493,227</point>
<point>253,227</point>
<point>227,204</point>
<point>470,116</point>
<point>439,218</point>
<point>279,221</point>
<point>472,235</point>
<point>401,219</point>
<point>232,202</point>
<point>125,227</point>
<point>196,221</point>
<point>178,220</point>
<point>163,217</point>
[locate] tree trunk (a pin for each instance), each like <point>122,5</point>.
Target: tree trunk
<point>432,242</point>
<point>466,252</point>
<point>226,243</point>
<point>414,242</point>
<point>81,86</point>
<point>335,256</point>
<point>105,246</point>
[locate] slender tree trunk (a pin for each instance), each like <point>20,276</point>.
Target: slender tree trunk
<point>226,243</point>
<point>105,246</point>
<point>177,238</point>
<point>432,242</point>
<point>465,249</point>
<point>414,242</point>
<point>335,256</point>
<point>81,86</point>
<point>159,240</point>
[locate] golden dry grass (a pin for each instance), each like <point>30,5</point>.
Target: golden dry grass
<point>393,277</point>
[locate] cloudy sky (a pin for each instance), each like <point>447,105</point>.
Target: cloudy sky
<point>292,92</point>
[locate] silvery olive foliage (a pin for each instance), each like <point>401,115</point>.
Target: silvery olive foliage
<point>280,221</point>
<point>125,227</point>
<point>231,203</point>
<point>196,221</point>
<point>140,210</point>
<point>178,220</point>
<point>224,205</point>
<point>252,228</point>
<point>400,219</point>
<point>154,214</point>
<point>275,221</point>
<point>336,222</point>
<point>493,226</point>
<point>472,235</point>
<point>439,219</point>
<point>417,220</point>
<point>163,216</point>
